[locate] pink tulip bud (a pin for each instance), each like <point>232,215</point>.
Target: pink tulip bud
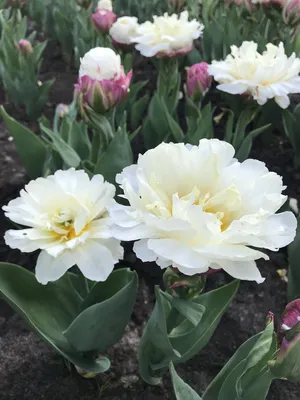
<point>198,80</point>
<point>104,19</point>
<point>25,47</point>
<point>286,365</point>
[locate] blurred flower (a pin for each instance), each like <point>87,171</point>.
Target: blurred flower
<point>167,36</point>
<point>124,30</point>
<point>103,19</point>
<point>105,5</point>
<point>198,80</point>
<point>102,82</point>
<point>196,207</point>
<point>263,76</point>
<point>68,220</point>
<point>25,47</point>
<point>62,110</point>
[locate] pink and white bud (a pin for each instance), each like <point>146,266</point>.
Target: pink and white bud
<point>102,82</point>
<point>103,19</point>
<point>25,47</point>
<point>123,31</point>
<point>198,80</point>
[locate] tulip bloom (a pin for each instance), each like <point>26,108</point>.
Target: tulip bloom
<point>102,82</point>
<point>189,208</point>
<point>67,219</point>
<point>265,76</point>
<point>167,35</point>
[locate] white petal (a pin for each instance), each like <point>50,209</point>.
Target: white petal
<point>50,269</point>
<point>94,260</point>
<point>178,253</point>
<point>247,271</point>
<point>143,252</point>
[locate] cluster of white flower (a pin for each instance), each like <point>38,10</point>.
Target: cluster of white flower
<point>188,208</point>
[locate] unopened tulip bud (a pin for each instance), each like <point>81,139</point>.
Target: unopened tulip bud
<point>104,19</point>
<point>102,82</point>
<point>62,110</point>
<point>183,286</point>
<point>198,81</point>
<point>25,47</point>
<point>287,363</point>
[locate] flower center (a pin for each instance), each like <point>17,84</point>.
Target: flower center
<point>63,225</point>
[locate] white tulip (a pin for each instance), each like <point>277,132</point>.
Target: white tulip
<point>167,35</point>
<point>196,207</point>
<point>263,76</point>
<point>67,218</point>
<point>105,5</point>
<point>124,29</point>
<point>101,63</point>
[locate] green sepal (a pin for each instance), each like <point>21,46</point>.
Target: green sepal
<point>31,149</point>
<point>181,389</point>
<point>178,329</point>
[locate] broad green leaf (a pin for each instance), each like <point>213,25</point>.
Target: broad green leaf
<point>117,156</point>
<point>48,309</point>
<point>241,354</point>
<point>102,323</point>
<point>174,337</point>
<point>243,152</point>
<point>155,344</point>
<point>228,389</point>
<point>181,389</point>
<point>216,303</point>
<point>262,352</point>
<point>294,270</point>
<point>31,149</point>
<point>67,153</point>
<point>156,127</point>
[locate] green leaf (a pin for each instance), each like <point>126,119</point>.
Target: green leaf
<point>67,153</point>
<point>182,390</point>
<point>228,389</point>
<point>244,151</point>
<point>48,309</point>
<point>216,303</point>
<point>117,156</point>
<point>106,313</point>
<point>31,149</point>
<point>294,270</point>
<point>241,354</point>
<point>156,127</point>
<point>262,352</point>
<point>170,337</point>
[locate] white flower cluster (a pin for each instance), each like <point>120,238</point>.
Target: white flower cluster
<point>189,207</point>
<point>167,35</point>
